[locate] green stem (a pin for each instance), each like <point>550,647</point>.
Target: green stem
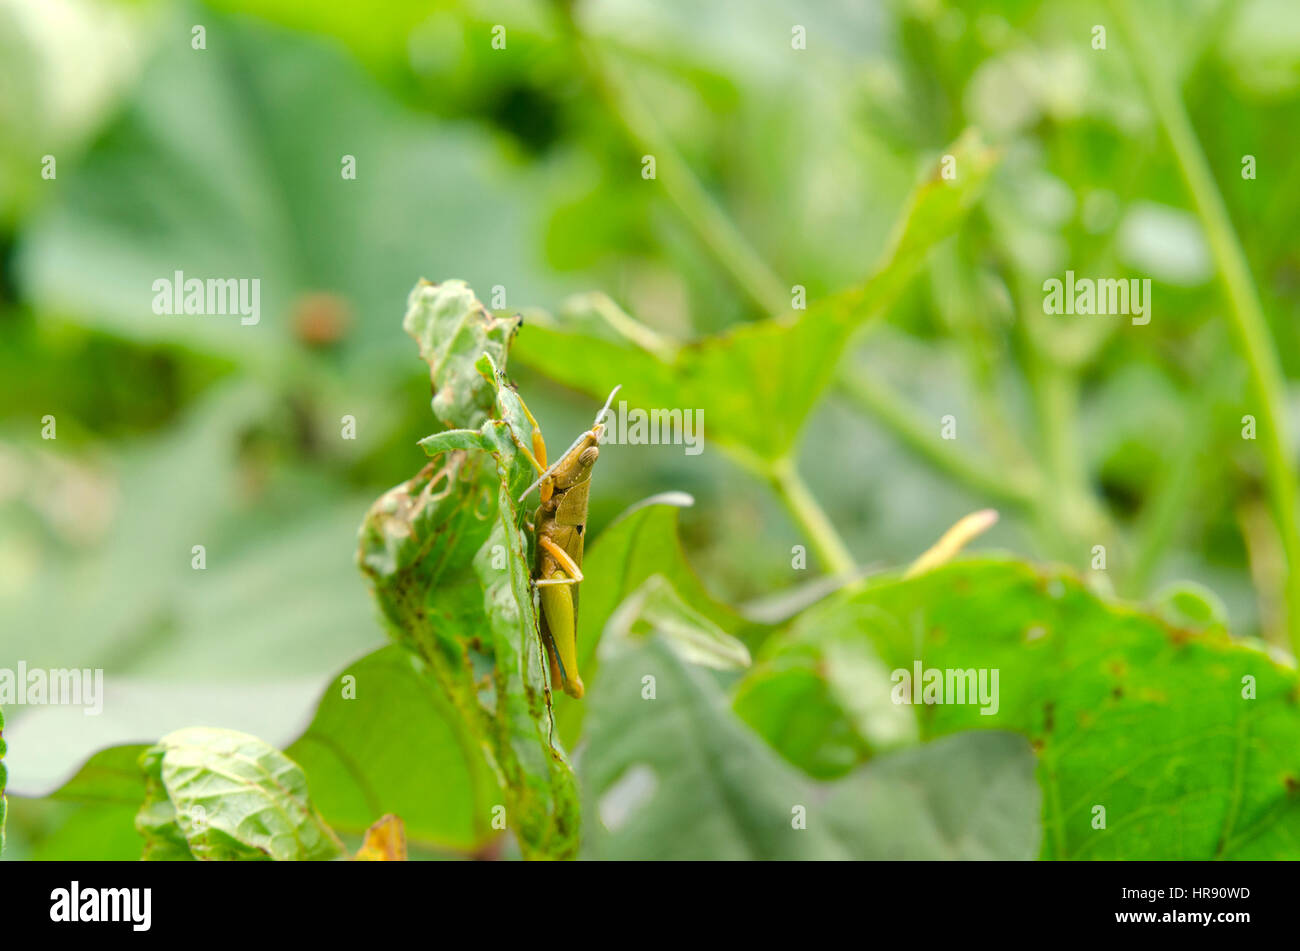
<point>1008,488</point>
<point>1182,481</point>
<point>633,330</point>
<point>1245,310</point>
<point>959,301</point>
<point>733,252</point>
<point>784,478</point>
<point>1157,525</point>
<point>1074,516</point>
<point>1055,397</point>
<point>1070,517</point>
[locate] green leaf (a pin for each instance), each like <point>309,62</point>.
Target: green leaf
<point>825,706</point>
<point>656,609</point>
<point>385,739</point>
<point>755,385</point>
<point>676,775</point>
<point>104,797</point>
<point>110,776</point>
<point>639,544</point>
<point>968,796</point>
<point>449,566</point>
<point>100,832</point>
<point>223,795</point>
<point>789,703</point>
<point>1189,741</point>
<point>92,815</point>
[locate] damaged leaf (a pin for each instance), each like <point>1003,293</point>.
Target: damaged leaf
<point>448,561</point>
<point>224,795</point>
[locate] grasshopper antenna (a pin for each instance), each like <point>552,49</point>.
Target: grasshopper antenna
<point>609,402</point>
<point>555,465</point>
<point>541,478</point>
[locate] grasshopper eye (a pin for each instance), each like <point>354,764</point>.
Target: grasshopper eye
<point>589,456</point>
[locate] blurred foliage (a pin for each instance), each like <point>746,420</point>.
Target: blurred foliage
<point>519,169</point>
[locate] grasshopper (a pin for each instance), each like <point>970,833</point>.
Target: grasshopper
<point>561,520</point>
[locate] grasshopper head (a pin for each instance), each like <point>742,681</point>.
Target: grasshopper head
<point>577,463</point>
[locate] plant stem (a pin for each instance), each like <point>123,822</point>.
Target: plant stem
<point>1165,509</point>
<point>1192,467</point>
<point>733,252</point>
<point>1056,400</point>
<point>803,508</point>
<point>633,330</point>
<point>1247,314</point>
<point>958,299</point>
<point>877,401</point>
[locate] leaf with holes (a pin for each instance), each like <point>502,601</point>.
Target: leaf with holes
<point>449,565</point>
<point>1153,741</point>
<point>224,795</point>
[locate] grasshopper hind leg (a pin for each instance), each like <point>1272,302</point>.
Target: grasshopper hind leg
<point>560,634</point>
<point>553,662</point>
